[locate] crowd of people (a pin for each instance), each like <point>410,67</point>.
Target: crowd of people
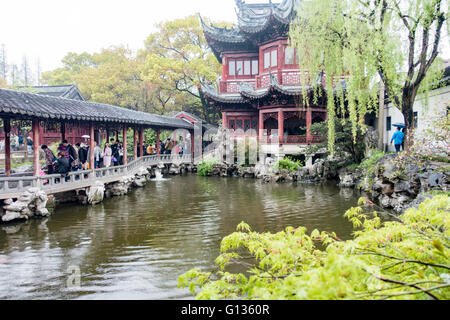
<point>76,157</point>
<point>18,142</point>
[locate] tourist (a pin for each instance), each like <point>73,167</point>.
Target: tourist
<point>150,150</point>
<point>107,155</point>
<point>120,158</point>
<point>71,155</point>
<point>62,164</point>
<point>144,149</point>
<point>20,141</point>
<point>162,147</point>
<point>83,155</point>
<point>29,144</point>
<point>97,155</point>
<point>16,142</point>
<point>49,158</point>
<point>168,146</point>
<point>398,138</point>
<point>115,152</point>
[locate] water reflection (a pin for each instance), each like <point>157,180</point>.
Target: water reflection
<point>135,247</point>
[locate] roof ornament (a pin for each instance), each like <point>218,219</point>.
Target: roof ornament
<point>240,3</point>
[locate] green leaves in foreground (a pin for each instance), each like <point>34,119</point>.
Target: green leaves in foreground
<point>404,259</point>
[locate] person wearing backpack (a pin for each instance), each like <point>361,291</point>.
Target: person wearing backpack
<point>49,158</point>
<point>71,155</point>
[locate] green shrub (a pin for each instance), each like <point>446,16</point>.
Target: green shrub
<point>204,168</point>
<point>288,164</point>
<point>369,163</point>
<point>403,259</point>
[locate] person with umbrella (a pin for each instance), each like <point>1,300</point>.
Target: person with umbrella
<point>398,137</point>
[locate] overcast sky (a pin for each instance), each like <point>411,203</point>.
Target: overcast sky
<point>49,29</point>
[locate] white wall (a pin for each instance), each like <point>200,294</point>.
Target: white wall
<point>438,102</point>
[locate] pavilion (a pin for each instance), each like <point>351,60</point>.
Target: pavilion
<point>45,110</point>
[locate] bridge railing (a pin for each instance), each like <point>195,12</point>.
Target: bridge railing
<point>16,185</point>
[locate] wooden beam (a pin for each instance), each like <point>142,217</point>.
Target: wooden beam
<point>280,125</point>
<point>134,143</point>
<point>91,146</point>
<point>7,129</point>
<point>192,145</point>
<point>158,144</point>
<point>141,142</point>
<point>261,125</point>
<point>36,164</point>
<point>308,125</point>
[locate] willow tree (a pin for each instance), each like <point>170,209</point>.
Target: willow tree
<point>396,41</point>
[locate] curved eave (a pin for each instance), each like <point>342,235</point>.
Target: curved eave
<point>18,104</point>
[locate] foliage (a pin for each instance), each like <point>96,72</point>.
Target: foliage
<point>362,41</point>
<point>288,164</point>
<point>402,259</point>
<point>161,78</point>
<point>204,168</point>
<point>368,165</point>
<point>177,60</point>
<point>343,140</point>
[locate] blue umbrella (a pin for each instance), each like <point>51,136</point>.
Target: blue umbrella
<point>399,125</point>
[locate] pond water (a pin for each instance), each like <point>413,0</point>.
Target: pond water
<point>136,246</point>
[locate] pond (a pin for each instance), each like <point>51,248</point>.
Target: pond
<point>136,246</point>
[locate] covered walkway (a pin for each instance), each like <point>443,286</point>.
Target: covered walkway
<point>43,110</point>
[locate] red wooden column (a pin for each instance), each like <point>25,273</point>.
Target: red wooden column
<point>7,129</point>
<point>124,144</point>
<point>280,125</point>
<point>308,125</point>
<point>261,124</point>
<point>224,119</point>
<point>91,146</point>
<point>36,164</point>
<point>141,142</point>
<point>158,144</point>
<point>192,145</point>
<point>134,143</point>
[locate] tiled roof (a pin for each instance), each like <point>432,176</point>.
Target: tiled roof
<point>253,19</point>
<point>62,91</point>
<point>19,104</point>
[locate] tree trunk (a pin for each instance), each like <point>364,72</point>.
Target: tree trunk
<point>408,114</point>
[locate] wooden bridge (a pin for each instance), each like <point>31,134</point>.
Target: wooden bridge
<point>13,187</point>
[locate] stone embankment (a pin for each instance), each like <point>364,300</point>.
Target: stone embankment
<point>321,170</point>
<point>36,203</point>
<point>396,182</point>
